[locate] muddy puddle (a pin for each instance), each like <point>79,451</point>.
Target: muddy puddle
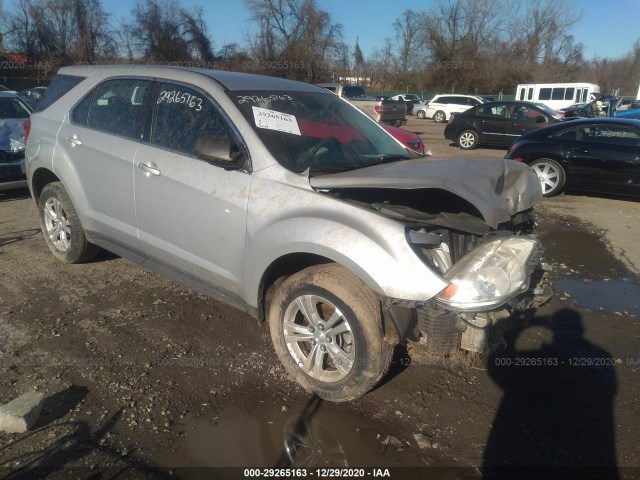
<point>313,434</point>
<point>610,296</point>
<point>585,269</point>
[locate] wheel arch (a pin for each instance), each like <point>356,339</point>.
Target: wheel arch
<point>283,267</point>
<point>40,179</point>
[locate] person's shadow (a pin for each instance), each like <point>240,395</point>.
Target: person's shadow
<point>557,408</point>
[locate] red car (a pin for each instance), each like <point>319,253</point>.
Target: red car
<point>407,138</point>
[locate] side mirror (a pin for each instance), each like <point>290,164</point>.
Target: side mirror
<point>217,150</point>
<point>541,119</point>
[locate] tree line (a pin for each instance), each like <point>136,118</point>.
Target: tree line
<point>465,46</point>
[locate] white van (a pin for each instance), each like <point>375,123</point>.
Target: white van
<point>557,95</point>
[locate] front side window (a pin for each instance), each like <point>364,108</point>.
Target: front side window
<point>524,113</point>
<point>114,107</point>
<point>182,115</point>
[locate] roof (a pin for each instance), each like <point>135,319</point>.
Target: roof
<point>229,80</point>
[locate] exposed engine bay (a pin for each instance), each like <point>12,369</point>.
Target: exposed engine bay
<point>447,233</point>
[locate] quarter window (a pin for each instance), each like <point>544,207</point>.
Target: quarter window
<point>609,134</point>
<point>182,115</point>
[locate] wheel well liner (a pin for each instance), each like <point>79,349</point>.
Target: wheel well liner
<point>40,179</point>
<point>283,267</point>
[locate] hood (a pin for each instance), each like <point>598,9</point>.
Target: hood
<point>12,134</point>
<point>498,188</point>
<point>401,134</point>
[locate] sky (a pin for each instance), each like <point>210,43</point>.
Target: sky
<point>607,28</point>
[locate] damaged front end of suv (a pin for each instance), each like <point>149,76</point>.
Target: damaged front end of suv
<point>472,224</point>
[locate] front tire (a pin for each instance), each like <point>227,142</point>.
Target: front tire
<point>61,226</point>
<point>421,114</point>
<point>326,329</point>
<point>468,140</point>
<point>551,175</point>
<point>439,117</point>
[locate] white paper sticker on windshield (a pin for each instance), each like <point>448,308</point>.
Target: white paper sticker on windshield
<point>272,120</point>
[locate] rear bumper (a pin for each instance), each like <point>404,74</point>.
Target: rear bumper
<point>13,175</point>
<point>450,133</point>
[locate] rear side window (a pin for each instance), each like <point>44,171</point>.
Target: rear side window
<point>569,134</point>
<point>114,107</point>
<point>495,111</point>
<point>545,94</point>
<point>610,134</point>
<point>182,115</point>
<point>557,94</point>
<point>59,86</point>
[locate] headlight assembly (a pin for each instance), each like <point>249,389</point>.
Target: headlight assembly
<point>489,275</point>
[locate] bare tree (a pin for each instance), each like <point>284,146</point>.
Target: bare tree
<point>408,36</point>
<point>295,32</point>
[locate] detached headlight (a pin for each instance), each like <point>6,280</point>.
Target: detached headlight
<point>489,275</point>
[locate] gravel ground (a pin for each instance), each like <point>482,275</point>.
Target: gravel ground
<point>141,372</point>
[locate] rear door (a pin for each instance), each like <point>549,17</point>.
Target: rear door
<point>491,121</point>
<point>100,140</point>
<point>606,157</point>
<point>191,214</point>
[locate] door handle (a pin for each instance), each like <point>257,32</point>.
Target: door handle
<point>149,169</point>
<point>580,150</point>
<point>74,140</point>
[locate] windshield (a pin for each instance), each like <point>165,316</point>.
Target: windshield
<point>316,130</point>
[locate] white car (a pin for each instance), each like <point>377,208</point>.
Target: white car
<point>441,107</point>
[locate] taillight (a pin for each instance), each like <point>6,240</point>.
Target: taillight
<point>378,110</point>
<point>513,148</point>
<point>27,129</point>
<point>450,119</point>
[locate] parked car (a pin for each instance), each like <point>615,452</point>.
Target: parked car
<point>384,111</point>
<point>592,154</point>
<point>631,113</point>
<point>441,107</point>
<point>407,138</point>
<point>285,201</point>
<point>14,113</point>
<point>410,100</point>
<point>498,123</point>
<point>32,95</point>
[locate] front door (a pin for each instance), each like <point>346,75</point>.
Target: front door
<point>191,214</point>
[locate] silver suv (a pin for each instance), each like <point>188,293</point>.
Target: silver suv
<point>287,202</point>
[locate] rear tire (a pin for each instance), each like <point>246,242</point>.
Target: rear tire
<point>326,329</point>
<point>421,114</point>
<point>61,226</point>
<point>468,140</point>
<point>439,117</point>
<point>551,175</point>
